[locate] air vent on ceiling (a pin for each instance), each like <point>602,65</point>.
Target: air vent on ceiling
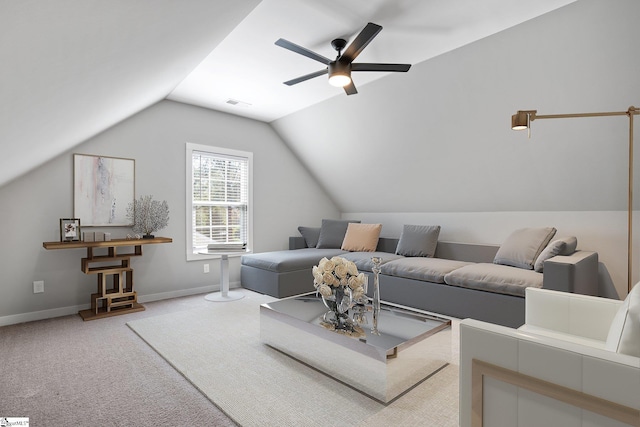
<point>238,103</point>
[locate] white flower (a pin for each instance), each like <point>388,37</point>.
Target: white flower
<point>326,264</point>
<point>341,270</point>
<point>325,290</point>
<point>338,260</point>
<point>317,275</point>
<point>353,270</point>
<point>329,279</point>
<point>357,293</point>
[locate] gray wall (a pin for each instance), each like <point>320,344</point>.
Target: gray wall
<point>31,207</point>
<point>436,142</point>
<point>443,128</point>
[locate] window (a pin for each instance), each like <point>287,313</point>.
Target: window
<point>218,198</point>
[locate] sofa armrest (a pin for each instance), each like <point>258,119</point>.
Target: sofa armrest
<point>582,315</point>
<point>576,273</point>
<point>297,242</point>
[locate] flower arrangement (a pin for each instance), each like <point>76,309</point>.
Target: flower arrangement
<point>338,272</point>
<point>338,282</point>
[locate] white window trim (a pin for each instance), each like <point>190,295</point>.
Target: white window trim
<point>190,148</point>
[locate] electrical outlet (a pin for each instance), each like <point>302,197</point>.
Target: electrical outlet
<point>38,286</point>
<point>206,268</point>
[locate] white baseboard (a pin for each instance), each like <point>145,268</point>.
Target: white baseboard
<point>176,294</point>
<point>41,315</point>
<point>183,292</point>
<point>65,311</point>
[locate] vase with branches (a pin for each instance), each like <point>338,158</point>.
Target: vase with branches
<point>148,215</point>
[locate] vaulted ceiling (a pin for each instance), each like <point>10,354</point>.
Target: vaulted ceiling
<point>73,68</point>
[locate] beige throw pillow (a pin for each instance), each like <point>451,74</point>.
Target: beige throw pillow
<point>361,237</point>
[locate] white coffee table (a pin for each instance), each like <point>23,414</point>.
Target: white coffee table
<point>224,294</point>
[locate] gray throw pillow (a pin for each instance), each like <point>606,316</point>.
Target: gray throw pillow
<point>332,233</point>
<point>418,240</point>
<point>564,246</point>
<point>523,246</point>
<point>310,234</point>
<point>571,245</point>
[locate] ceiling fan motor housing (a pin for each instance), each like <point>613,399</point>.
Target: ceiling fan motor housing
<point>337,67</point>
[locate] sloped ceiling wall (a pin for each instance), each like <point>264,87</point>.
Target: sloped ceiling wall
<point>438,139</point>
<point>68,62</point>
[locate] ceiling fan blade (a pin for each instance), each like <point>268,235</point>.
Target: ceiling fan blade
<point>302,51</point>
<point>350,89</point>
<point>305,77</point>
<point>363,66</point>
<point>361,41</point>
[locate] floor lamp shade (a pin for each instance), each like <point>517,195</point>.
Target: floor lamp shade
<point>520,120</point>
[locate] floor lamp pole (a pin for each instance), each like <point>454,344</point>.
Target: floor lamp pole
<point>632,112</point>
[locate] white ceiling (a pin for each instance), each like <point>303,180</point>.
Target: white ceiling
<point>247,66</point>
<point>73,68</point>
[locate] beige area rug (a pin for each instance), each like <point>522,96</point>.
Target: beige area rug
<point>218,350</point>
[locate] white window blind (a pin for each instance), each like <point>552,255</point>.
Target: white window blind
<point>220,197</point>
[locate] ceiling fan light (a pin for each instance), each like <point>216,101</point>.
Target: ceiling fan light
<point>339,80</point>
<point>339,74</point>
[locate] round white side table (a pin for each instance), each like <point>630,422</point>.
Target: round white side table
<point>224,294</point>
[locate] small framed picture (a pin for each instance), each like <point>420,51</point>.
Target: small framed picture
<point>70,229</point>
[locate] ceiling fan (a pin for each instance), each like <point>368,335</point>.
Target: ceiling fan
<point>340,69</point>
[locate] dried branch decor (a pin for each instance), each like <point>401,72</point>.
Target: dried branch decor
<point>148,215</point>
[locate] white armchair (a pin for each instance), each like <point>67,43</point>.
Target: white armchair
<point>575,362</point>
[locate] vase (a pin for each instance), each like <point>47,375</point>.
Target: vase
<point>339,303</point>
<point>337,318</point>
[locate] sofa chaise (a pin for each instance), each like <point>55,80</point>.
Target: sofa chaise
<point>460,280</point>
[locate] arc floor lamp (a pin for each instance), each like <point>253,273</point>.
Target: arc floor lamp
<point>522,120</point>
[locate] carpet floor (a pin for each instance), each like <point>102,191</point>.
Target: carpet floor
<point>218,349</point>
<point>66,372</point>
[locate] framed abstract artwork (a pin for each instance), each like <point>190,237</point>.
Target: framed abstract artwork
<point>103,187</point>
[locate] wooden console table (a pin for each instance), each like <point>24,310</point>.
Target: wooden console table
<point>120,298</point>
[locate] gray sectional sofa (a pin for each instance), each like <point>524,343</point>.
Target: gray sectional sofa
<point>461,280</point>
